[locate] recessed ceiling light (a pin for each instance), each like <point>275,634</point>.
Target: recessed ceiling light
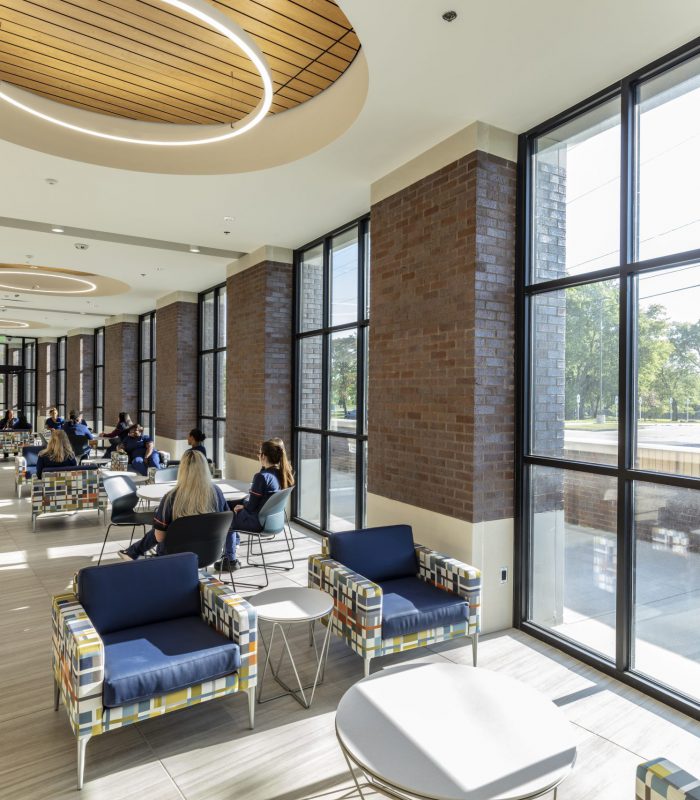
<point>449,16</point>
<point>229,219</point>
<point>194,249</point>
<point>81,246</point>
<point>56,230</point>
<point>51,181</point>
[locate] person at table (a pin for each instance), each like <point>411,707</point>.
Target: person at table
<point>194,493</point>
<point>195,440</point>
<point>57,453</point>
<point>275,474</point>
<point>53,421</point>
<point>140,449</point>
<point>75,426</point>
<point>22,423</point>
<point>8,421</point>
<point>117,435</point>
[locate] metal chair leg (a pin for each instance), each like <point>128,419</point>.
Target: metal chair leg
<point>82,746</point>
<point>251,707</point>
<point>475,645</point>
<point>99,560</point>
<point>56,694</point>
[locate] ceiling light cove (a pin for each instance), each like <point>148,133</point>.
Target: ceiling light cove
<point>53,283</point>
<point>105,127</point>
<point>12,324</point>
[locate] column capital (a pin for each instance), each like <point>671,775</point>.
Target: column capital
<point>176,297</point>
<point>280,255</point>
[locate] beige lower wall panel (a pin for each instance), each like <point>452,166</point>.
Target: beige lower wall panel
<point>176,447</point>
<point>240,468</point>
<point>486,545</point>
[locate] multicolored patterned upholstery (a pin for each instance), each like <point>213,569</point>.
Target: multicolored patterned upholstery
<point>67,490</point>
<point>78,663</point>
<point>12,442</point>
<point>358,603</point>
<point>661,779</point>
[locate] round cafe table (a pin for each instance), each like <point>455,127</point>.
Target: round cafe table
<point>155,492</point>
<point>451,732</point>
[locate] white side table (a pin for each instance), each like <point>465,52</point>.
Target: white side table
<point>451,732</point>
<point>283,608</point>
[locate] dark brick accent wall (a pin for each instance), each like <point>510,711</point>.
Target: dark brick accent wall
<point>46,357</point>
<point>121,371</point>
<point>259,357</point>
<point>441,376</point>
<point>80,369</point>
<point>176,370</point>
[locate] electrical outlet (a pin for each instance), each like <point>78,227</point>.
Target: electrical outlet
<point>504,574</point>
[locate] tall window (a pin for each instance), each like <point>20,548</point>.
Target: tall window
<point>332,327</point>
<point>609,449</point>
<point>61,377</point>
<point>18,375</point>
<point>212,370</point>
<point>99,379</point>
<point>147,372</point>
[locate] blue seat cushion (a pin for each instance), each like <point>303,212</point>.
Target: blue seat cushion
<point>163,657</point>
<point>79,468</point>
<point>30,471</point>
<point>410,605</point>
<point>31,454</point>
<point>379,554</point>
<point>121,596</point>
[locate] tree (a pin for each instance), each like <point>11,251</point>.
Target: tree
<point>344,371</point>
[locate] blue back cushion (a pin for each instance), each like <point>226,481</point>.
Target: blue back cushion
<point>31,454</point>
<point>380,554</point>
<point>120,596</point>
<point>80,468</point>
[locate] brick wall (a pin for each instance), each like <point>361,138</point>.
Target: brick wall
<point>441,394</point>
<point>176,370</point>
<point>80,368</point>
<point>46,389</point>
<point>259,357</point>
<point>121,371</point>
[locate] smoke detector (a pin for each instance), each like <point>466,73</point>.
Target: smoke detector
<point>81,246</point>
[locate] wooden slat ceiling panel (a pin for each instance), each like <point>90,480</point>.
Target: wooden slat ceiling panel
<point>144,60</point>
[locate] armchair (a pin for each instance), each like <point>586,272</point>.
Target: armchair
<point>661,779</point>
<point>392,595</point>
<point>25,466</point>
<point>12,442</point>
<point>142,639</point>
<point>64,489</point>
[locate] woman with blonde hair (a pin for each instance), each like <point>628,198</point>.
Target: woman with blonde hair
<point>194,493</point>
<point>57,453</point>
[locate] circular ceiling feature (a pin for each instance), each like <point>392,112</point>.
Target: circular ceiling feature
<point>38,280</point>
<point>196,69</point>
<point>12,324</point>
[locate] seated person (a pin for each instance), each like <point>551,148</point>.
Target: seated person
<point>276,474</point>
<point>75,426</point>
<point>8,421</point>
<point>118,434</point>
<point>57,453</point>
<point>53,421</point>
<point>140,449</point>
<point>194,493</point>
<point>22,423</point>
<point>195,439</point>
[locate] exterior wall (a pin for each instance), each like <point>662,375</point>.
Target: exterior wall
<point>46,389</point>
<point>80,366</point>
<point>258,356</point>
<point>176,370</point>
<point>121,371</point>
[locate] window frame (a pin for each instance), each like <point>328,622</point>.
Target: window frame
<point>218,421</point>
<point>624,471</point>
<point>98,379</point>
<point>147,412</point>
<point>61,359</point>
<point>326,331</point>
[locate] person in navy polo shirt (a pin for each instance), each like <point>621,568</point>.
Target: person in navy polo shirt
<point>75,426</point>
<point>140,449</point>
<point>195,440</point>
<point>53,421</point>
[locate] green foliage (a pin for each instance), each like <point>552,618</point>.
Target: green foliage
<point>344,372</point>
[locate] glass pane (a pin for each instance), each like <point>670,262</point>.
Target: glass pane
<point>576,195</point>
<point>145,337</point>
<point>28,388</point>
<point>221,370</point>
<point>341,509</point>
<point>575,373</point>
<point>3,353</point>
<point>220,437</point>
<point>310,377</point>
<point>368,265</point>
<point>145,399</point>
<point>668,173</point>
<point>221,339</point>
<point>99,347</point>
<point>573,518</point>
<point>344,254</point>
<point>668,371</point>
<point>667,585</point>
<point>343,406</point>
<point>208,321</point>
<point>311,300</point>
<point>208,430</point>
<point>206,385</point>
<point>99,385</point>
<point>309,478</point>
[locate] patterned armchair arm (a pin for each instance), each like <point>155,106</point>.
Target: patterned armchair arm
<point>20,468</point>
<point>453,576</point>
<point>236,619</point>
<point>660,779</point>
<point>78,664</point>
<point>37,495</point>
<point>357,601</point>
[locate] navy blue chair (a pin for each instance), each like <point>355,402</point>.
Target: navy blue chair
<point>25,466</point>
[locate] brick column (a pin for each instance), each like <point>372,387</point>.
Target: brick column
<point>441,375</point>
<point>258,357</point>
<point>176,370</point>
<point>46,389</point>
<point>121,367</point>
<point>80,367</point>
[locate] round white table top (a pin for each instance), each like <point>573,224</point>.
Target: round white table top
<point>295,604</point>
<point>135,477</point>
<point>157,491</point>
<point>451,732</point>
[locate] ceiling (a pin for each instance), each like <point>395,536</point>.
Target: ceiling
<point>508,64</point>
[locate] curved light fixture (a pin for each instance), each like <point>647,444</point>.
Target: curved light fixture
<point>13,323</point>
<point>220,23</point>
<point>91,286</point>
